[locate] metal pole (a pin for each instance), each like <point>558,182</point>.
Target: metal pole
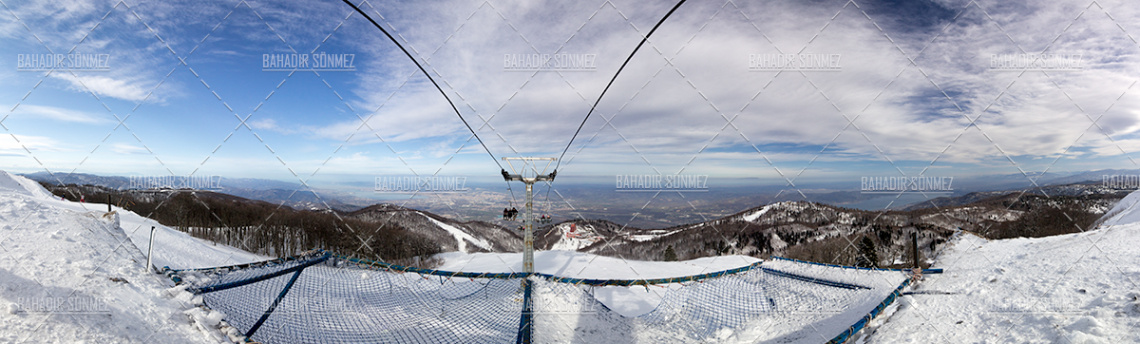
<point>150,249</point>
<point>528,238</point>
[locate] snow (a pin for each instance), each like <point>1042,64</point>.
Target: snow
<point>460,236</point>
<point>1077,288</point>
<point>71,275</point>
<point>585,265</point>
<point>12,184</point>
<point>654,234</point>
<point>757,214</point>
<point>172,248</point>
<point>1125,212</point>
<point>627,301</point>
<point>582,237</point>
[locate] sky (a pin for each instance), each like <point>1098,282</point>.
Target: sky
<point>877,88</point>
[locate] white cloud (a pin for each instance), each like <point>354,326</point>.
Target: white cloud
<point>15,144</point>
<point>61,114</point>
<point>124,148</point>
<point>670,101</point>
<point>270,124</point>
<point>661,111</point>
<point>105,86</point>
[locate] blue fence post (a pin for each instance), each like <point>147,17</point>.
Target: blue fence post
<point>526,321</point>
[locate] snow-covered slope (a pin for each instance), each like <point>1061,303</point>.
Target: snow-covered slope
<point>16,185</point>
<point>1124,212</point>
<point>448,234</point>
<point>461,237</point>
<point>69,275</point>
<point>1077,288</point>
<point>573,237</point>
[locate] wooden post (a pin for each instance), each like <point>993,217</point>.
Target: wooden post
<point>914,248</point>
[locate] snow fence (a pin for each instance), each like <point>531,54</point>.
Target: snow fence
<point>318,297</point>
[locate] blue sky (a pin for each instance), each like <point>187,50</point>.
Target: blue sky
<point>669,112</point>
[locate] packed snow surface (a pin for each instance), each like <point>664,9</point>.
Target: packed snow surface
<point>1077,288</point>
<point>1126,211</point>
<point>69,274</point>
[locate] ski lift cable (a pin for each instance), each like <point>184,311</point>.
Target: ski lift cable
<point>437,87</point>
<point>627,59</point>
<point>421,67</point>
<point>512,191</point>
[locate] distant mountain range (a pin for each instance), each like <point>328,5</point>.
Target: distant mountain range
<point>273,191</point>
<point>832,234</point>
<point>789,222</point>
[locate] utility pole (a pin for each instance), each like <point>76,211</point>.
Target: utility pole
<point>528,173</point>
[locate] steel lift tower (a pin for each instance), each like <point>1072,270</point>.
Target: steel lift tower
<point>528,173</point>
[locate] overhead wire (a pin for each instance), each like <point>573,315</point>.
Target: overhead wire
<point>472,130</point>
<point>437,87</point>
<point>611,83</point>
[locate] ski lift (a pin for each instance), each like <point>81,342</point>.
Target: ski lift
<point>510,214</point>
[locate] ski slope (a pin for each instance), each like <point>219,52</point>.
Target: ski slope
<point>69,274</point>
<point>1077,288</point>
<point>461,237</point>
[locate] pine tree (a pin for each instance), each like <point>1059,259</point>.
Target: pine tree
<point>670,255</point>
<point>868,257</point>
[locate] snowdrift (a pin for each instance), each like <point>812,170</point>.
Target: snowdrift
<point>1126,211</point>
<point>1074,288</point>
<point>12,184</point>
<point>69,275</point>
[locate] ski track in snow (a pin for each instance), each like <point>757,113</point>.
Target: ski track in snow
<point>460,236</point>
<point>757,214</point>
